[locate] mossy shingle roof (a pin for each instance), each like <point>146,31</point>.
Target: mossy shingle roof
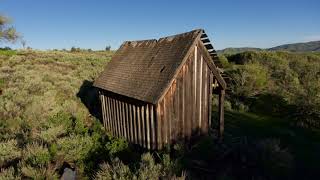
<point>143,69</point>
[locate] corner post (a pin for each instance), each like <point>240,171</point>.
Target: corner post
<point>221,113</point>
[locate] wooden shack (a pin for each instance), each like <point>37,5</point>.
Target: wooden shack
<point>155,92</point>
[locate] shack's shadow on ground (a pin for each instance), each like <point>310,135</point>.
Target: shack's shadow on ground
<point>89,96</point>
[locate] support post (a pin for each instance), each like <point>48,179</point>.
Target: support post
<point>221,113</point>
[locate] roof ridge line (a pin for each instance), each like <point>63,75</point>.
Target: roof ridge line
<point>162,38</point>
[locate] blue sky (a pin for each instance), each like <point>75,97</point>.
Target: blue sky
<point>94,24</point>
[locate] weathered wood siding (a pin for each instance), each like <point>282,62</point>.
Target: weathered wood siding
<point>185,110</point>
<point>128,118</point>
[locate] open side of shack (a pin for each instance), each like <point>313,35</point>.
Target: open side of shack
<point>156,92</point>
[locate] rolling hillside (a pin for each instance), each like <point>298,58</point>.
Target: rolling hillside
<point>298,47</point>
<point>312,46</point>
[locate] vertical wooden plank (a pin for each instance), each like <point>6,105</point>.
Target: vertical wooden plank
<point>161,133</point>
<point>221,113</point>
<point>135,125</point>
<point>129,121</point>
<point>191,81</point>
<point>158,125</point>
<point>172,113</point>
<point>181,104</point>
<point>190,98</point>
<point>194,92</point>
<point>187,102</point>
<point>164,122</point>
<point>110,115</point>
<point>183,101</point>
<point>118,119</point>
<point>102,108</point>
<point>175,114</point>
<point>200,91</point>
<point>115,117</point>
<point>152,128</point>
<point>204,98</point>
<point>143,126</point>
<point>168,112</point>
<point>124,120</point>
<point>148,126</point>
<point>210,98</point>
<point>112,106</point>
<point>139,125</point>
<point>106,113</point>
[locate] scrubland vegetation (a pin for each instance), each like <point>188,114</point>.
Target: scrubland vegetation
<point>49,120</point>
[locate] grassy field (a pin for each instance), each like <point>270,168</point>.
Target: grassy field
<point>49,120</point>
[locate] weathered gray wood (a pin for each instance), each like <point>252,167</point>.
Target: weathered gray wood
<point>175,106</point>
<point>112,106</point>
<point>119,119</point>
<point>102,105</point>
<point>152,127</point>
<point>161,132</point>
<point>200,92</point>
<point>194,92</point>
<point>210,98</point>
<point>184,94</point>
<point>135,124</point>
<point>139,125</point>
<point>198,89</point>
<point>129,117</point>
<point>109,114</point>
<point>124,120</point>
<point>107,124</point>
<point>148,126</point>
<point>205,99</point>
<point>183,110</point>
<point>143,128</point>
<point>221,113</point>
<point>188,101</point>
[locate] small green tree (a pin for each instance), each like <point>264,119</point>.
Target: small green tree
<point>7,31</point>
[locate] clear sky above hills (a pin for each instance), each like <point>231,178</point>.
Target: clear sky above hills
<point>94,24</point>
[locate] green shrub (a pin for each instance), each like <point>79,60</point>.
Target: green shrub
<point>9,151</point>
<point>41,172</point>
<point>74,148</point>
<point>148,168</point>
<point>36,155</point>
<point>8,52</point>
<point>224,61</point>
<point>248,80</point>
<point>117,170</point>
<point>51,134</point>
<point>116,146</point>
<point>60,119</point>
<point>8,174</point>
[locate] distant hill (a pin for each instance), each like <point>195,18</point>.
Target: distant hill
<point>298,47</point>
<point>312,46</point>
<point>237,50</point>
